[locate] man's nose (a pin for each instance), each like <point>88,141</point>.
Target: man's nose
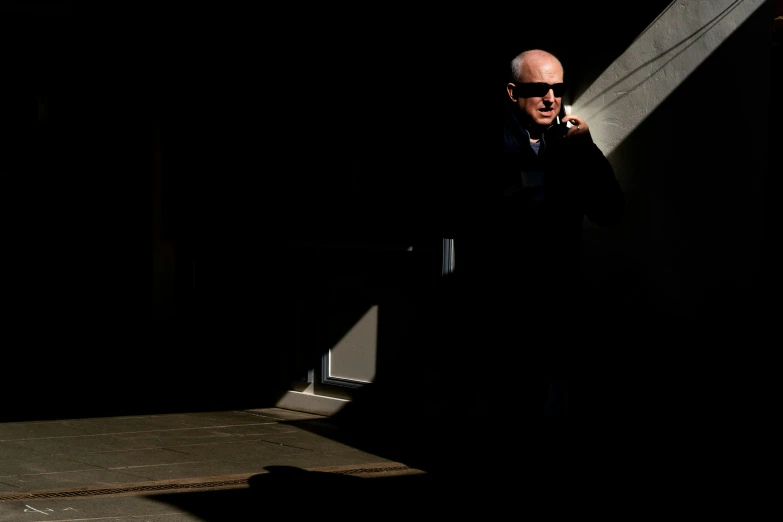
<point>550,96</point>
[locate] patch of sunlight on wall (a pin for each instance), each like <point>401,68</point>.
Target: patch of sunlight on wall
<point>354,356</point>
<point>660,58</point>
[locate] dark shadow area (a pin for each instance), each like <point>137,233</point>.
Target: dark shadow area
<point>483,477</point>
<point>251,171</point>
<point>247,168</point>
<point>37,8</point>
<point>334,496</point>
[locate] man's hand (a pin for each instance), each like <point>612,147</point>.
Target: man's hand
<point>578,126</point>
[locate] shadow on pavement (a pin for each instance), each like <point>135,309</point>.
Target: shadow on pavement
<point>331,496</point>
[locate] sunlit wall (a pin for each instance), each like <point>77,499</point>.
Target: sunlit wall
<point>666,53</point>
<point>684,115</point>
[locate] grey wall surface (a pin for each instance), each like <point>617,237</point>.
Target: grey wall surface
<point>681,98</point>
<point>687,131</point>
<point>684,114</point>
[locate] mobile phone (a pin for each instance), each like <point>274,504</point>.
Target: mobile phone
<point>561,114</point>
<point>562,126</point>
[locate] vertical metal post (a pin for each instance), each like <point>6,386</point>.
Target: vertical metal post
<point>447,266</point>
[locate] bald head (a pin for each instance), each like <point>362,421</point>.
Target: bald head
<point>524,64</point>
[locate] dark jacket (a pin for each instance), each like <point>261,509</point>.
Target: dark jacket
<point>578,179</point>
<point>529,212</point>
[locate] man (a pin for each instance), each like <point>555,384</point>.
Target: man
<point>552,172</point>
<point>521,259</point>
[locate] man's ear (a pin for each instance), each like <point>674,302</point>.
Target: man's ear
<point>510,90</point>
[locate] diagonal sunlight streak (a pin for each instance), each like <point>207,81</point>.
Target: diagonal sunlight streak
<point>693,38</point>
<point>655,64</point>
<point>652,24</point>
<point>354,356</point>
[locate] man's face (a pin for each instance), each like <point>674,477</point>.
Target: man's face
<point>539,108</point>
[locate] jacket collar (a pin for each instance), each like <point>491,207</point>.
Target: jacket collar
<point>520,132</point>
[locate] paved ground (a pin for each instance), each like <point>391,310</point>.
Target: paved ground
<point>213,466</point>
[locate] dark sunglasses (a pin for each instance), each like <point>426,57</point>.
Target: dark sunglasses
<point>533,90</point>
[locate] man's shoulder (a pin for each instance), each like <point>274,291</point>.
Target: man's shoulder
<point>514,135</point>
<point>510,121</point>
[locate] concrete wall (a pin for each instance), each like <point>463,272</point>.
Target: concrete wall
<point>681,98</point>
<point>684,114</point>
